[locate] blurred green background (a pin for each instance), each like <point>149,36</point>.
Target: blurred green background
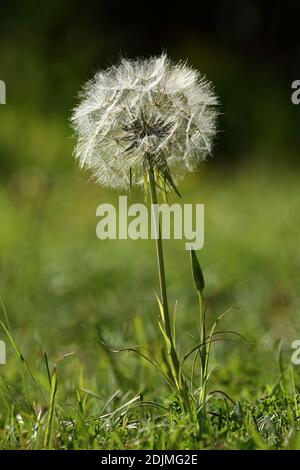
<point>62,287</point>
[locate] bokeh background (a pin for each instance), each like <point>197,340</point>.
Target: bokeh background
<point>64,289</point>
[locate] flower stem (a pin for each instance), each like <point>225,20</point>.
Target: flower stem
<point>160,258</point>
<point>175,365</point>
<point>203,354</point>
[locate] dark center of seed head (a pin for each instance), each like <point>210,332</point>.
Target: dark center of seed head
<point>141,127</point>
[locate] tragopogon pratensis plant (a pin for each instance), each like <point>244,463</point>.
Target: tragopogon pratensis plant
<point>147,123</point>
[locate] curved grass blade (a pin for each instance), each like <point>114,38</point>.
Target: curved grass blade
<point>150,361</point>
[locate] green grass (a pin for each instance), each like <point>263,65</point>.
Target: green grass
<point>65,292</point>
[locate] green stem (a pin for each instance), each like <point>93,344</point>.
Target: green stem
<point>203,353</point>
<point>164,298</point>
<point>160,258</point>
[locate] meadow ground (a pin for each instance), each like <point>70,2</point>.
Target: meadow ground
<point>66,292</point>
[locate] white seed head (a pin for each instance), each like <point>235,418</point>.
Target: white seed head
<point>144,112</point>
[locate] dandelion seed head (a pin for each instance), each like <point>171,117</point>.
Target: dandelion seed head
<point>140,113</point>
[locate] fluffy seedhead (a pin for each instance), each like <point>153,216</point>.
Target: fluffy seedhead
<point>141,114</point>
